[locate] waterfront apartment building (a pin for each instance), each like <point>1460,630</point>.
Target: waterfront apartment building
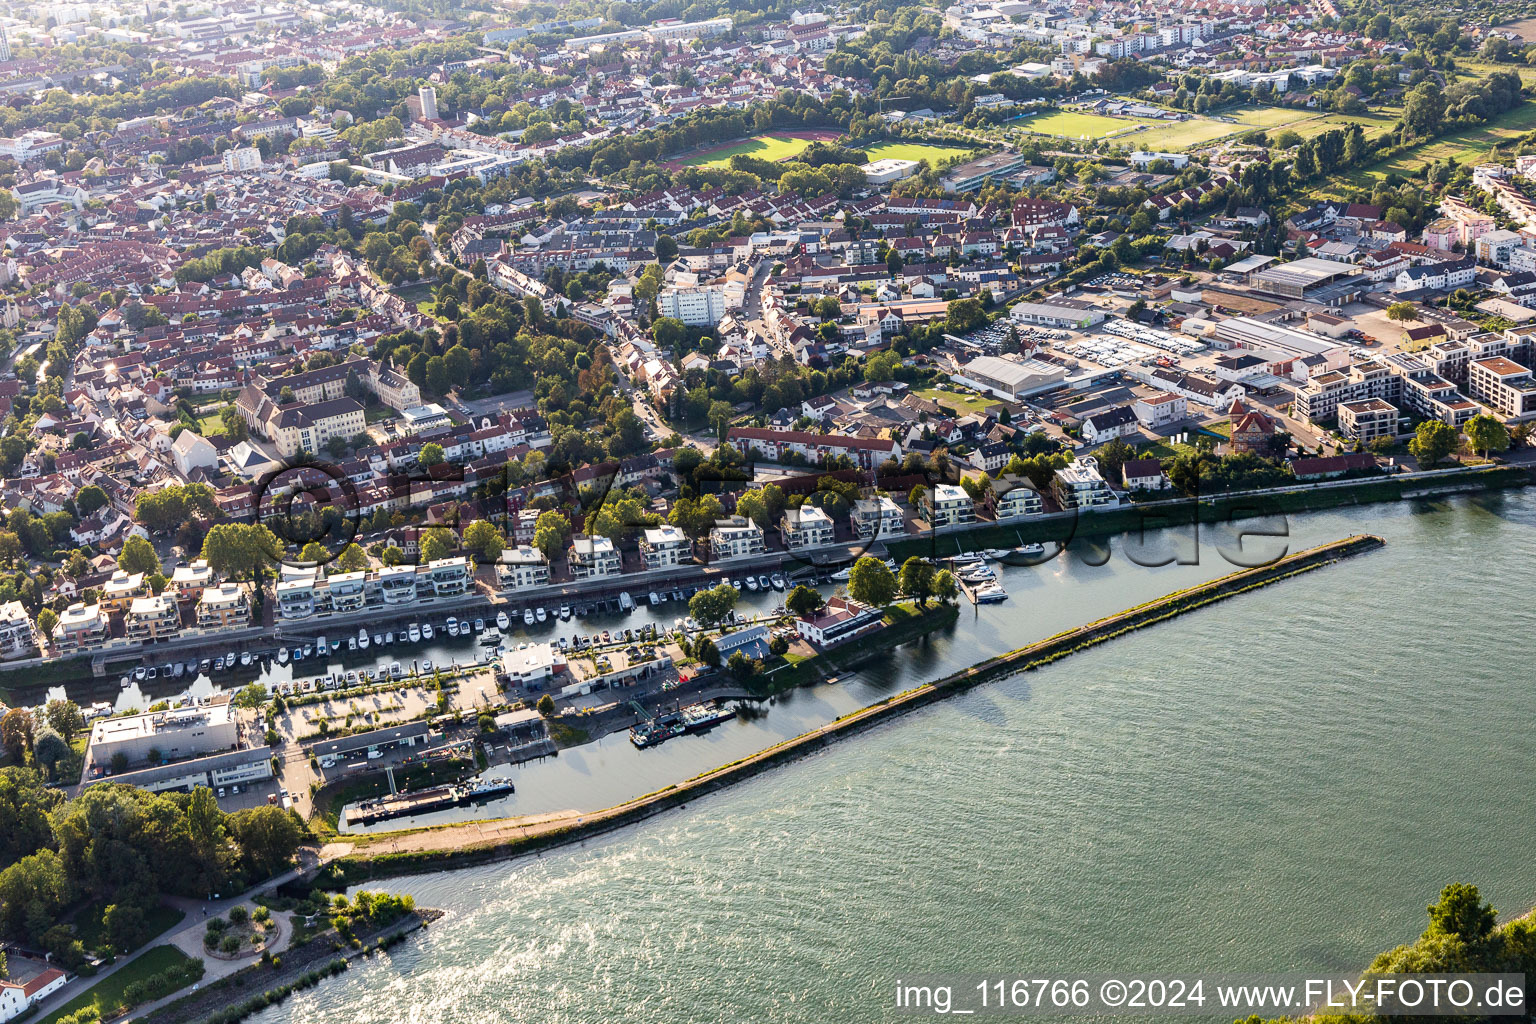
<point>1080,485</point>
<point>81,627</point>
<point>188,582</point>
<point>806,527</point>
<point>775,445</point>
<point>736,537</point>
<point>152,618</point>
<point>1368,419</point>
<point>1504,385</point>
<point>1018,501</point>
<point>878,517</point>
<point>593,556</point>
<point>224,607</point>
<point>17,636</point>
<point>948,505</point>
<point>521,567</point>
<point>838,622</point>
<point>303,591</point>
<point>665,546</point>
<point>120,591</point>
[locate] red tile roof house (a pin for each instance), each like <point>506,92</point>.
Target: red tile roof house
<point>16,998</point>
<point>839,621</point>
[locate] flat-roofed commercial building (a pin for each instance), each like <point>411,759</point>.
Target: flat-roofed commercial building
<point>1328,282</point>
<point>173,735</point>
<point>1009,379</point>
<point>973,174</point>
<point>1078,315</point>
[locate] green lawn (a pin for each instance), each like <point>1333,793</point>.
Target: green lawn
<point>107,995</point>
<point>210,424</point>
<point>1268,117</point>
<point>763,147</point>
<point>89,930</point>
<point>1071,124</point>
<point>1174,136</point>
<point>965,403</point>
<point>1470,145</point>
<point>935,155</point>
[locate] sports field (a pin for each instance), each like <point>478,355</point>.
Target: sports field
<point>1072,125</point>
<point>1177,136</point>
<point>935,155</point>
<point>764,147</point>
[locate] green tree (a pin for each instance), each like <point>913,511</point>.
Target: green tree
<point>1401,311</point>
<point>1486,434</point>
<point>267,838</point>
<point>707,652</point>
<point>90,498</point>
<point>945,588</point>
<point>352,559</point>
<point>709,607</point>
<point>546,706</point>
<point>237,550</point>
<point>436,543</point>
<point>49,749</point>
<point>965,315</point>
<point>16,733</point>
<point>1462,912</point>
<point>32,892</point>
<point>1113,457</point>
<point>871,582</point>
<point>804,601</point>
<point>138,555</point>
<point>65,717</point>
<point>484,540</point>
<point>250,696</point>
<point>916,580</point>
<point>1432,442</point>
<point>431,454</point>
<point>550,533</point>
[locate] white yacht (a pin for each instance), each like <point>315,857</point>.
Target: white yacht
<point>540,614</point>
<point>502,622</point>
<point>527,616</point>
<point>426,631</point>
<point>479,625</point>
<point>626,602</point>
<point>565,613</point>
<point>282,655</point>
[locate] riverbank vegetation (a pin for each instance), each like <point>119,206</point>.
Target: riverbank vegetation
<point>1461,938</point>
<point>97,866</point>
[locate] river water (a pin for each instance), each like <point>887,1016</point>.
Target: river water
<point>1279,782</point>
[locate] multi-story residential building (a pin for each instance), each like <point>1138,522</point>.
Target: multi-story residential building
<point>1080,485</point>
<point>345,591</point>
<point>17,636</point>
<point>121,590</point>
<point>444,577</point>
<point>878,517</point>
<point>1367,419</point>
<point>81,627</point>
<point>736,537</point>
<point>1504,385</point>
<point>397,584</point>
<point>188,582</point>
<point>1016,500</point>
<point>593,556</point>
<point>776,445</point>
<point>295,592</point>
<point>521,567</point>
<point>223,607</point>
<point>665,546</point>
<point>700,305</point>
<point>806,527</point>
<point>948,505</point>
<point>1318,400</point>
<point>308,428</point>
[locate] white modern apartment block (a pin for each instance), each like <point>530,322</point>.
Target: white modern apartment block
<point>17,635</point>
<point>593,556</point>
<point>242,158</point>
<point>807,527</point>
<point>1368,419</point>
<point>700,305</point>
<point>878,517</point>
<point>1504,385</point>
<point>1080,485</point>
<point>223,607</point>
<point>1018,501</point>
<point>81,627</point>
<point>521,567</point>
<point>736,537</point>
<point>948,505</point>
<point>665,546</point>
